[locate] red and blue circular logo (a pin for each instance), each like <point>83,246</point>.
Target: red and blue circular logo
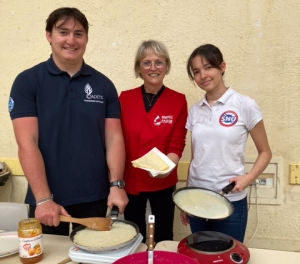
<point>228,118</point>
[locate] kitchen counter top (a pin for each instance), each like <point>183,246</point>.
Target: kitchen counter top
<point>257,256</point>
<point>56,249</point>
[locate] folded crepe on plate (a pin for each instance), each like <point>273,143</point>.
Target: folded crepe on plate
<point>151,161</point>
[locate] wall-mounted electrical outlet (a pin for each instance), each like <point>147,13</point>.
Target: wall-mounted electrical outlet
<point>265,179</point>
<point>294,173</point>
<point>269,189</point>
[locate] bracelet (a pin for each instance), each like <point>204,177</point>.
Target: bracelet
<point>48,199</point>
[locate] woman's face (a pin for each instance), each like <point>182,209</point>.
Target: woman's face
<point>153,75</point>
<point>207,78</point>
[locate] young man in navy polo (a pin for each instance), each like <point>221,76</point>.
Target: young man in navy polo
<point>65,116</point>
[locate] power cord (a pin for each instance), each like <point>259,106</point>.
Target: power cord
<point>255,184</point>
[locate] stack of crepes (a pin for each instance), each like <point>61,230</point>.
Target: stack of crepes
<point>154,161</point>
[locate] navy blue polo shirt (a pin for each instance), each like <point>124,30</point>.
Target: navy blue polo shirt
<point>71,115</point>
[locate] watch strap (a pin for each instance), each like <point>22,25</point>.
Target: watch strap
<point>119,183</point>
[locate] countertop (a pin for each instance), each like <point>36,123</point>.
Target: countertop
<point>257,256</point>
<point>56,249</point>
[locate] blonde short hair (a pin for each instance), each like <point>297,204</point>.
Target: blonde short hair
<point>158,48</point>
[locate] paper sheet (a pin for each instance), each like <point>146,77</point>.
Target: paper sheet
<point>164,158</point>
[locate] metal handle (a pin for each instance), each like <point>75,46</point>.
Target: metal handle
<point>114,212</point>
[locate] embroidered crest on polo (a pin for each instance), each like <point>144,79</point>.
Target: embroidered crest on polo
<point>165,119</point>
<point>228,118</point>
<point>88,90</point>
<point>11,104</point>
<point>91,98</point>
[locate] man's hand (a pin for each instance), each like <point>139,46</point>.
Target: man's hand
<point>117,197</point>
<point>48,213</point>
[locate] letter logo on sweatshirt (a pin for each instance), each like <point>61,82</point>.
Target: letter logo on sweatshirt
<point>228,119</point>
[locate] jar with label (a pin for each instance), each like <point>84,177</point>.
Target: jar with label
<point>30,241</point>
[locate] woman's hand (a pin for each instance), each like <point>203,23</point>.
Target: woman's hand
<point>241,183</point>
<point>184,219</point>
<point>160,176</point>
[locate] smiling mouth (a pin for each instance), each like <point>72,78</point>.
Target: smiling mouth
<point>206,82</point>
<point>70,49</point>
<point>153,74</point>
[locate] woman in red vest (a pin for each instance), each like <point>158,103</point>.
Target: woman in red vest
<point>152,115</point>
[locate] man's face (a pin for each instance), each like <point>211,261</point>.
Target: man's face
<point>68,42</point>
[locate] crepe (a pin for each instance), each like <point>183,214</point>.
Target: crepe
<point>151,161</point>
<point>119,233</point>
<point>201,203</point>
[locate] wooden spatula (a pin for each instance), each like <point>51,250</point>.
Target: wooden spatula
<point>96,223</point>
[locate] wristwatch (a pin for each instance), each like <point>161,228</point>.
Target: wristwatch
<point>119,183</point>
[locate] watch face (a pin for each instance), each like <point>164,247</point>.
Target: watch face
<point>121,184</point>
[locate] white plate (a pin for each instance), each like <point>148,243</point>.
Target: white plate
<point>9,243</point>
<point>164,158</point>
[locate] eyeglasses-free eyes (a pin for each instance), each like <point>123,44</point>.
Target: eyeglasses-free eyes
<point>148,64</point>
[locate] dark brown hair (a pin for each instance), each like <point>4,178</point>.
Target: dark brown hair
<point>66,13</point>
<point>209,52</point>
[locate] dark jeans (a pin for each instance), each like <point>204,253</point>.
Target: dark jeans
<point>92,209</point>
<point>234,225</point>
<point>162,207</point>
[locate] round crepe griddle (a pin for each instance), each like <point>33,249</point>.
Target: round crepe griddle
<point>109,248</point>
<point>202,203</point>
